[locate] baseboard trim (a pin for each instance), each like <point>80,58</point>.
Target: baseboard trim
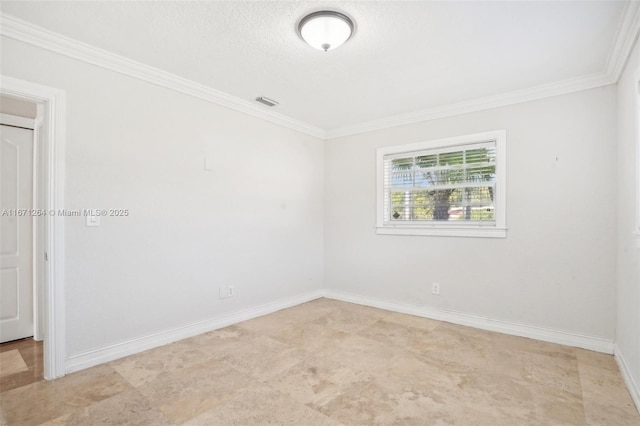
<point>632,385</point>
<point>523,330</point>
<point>109,353</point>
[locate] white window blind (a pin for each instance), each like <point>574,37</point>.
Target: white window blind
<point>453,186</point>
<point>446,184</point>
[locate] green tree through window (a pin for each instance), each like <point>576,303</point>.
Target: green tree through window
<point>454,184</point>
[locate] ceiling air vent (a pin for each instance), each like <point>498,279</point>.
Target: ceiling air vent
<point>266,101</point>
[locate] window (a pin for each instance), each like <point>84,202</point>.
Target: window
<point>449,187</point>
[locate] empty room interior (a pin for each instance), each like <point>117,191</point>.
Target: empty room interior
<point>320,213</point>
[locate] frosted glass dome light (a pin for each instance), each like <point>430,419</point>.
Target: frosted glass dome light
<point>325,30</point>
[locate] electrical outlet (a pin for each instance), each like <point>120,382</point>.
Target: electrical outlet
<point>223,292</point>
<point>231,291</point>
<point>435,289</point>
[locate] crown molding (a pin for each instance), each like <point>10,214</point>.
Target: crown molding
<point>26,32</point>
<point>511,98</point>
<point>626,36</point>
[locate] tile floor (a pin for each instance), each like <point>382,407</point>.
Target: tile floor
<point>20,363</point>
<point>332,363</point>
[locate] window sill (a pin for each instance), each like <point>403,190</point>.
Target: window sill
<point>475,232</point>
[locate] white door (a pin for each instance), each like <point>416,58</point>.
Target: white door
<point>16,233</point>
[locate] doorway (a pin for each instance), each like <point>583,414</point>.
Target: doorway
<point>18,221</point>
<point>50,127</point>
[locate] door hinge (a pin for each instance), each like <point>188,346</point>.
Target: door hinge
<point>46,256</point>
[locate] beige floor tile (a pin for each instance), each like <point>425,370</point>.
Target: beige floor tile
<point>350,318</point>
<point>263,357</point>
<point>294,316</point>
<point>462,334</point>
<point>418,404</point>
<point>127,408</point>
<point>317,379</point>
<point>596,359</point>
<point>470,352</point>
<point>524,402</point>
<point>394,334</point>
<point>17,404</point>
<point>143,367</point>
<point>266,325</point>
<point>328,362</point>
<point>412,321</point>
<point>86,387</point>
<point>262,405</point>
<point>605,397</point>
<point>309,311</point>
<point>61,396</point>
<point>524,344</point>
<point>557,371</point>
<point>185,394</point>
<point>407,368</point>
<point>216,343</point>
<point>309,337</point>
<point>456,348</point>
<point>362,402</point>
<point>297,315</point>
<point>361,354</point>
<point>459,397</point>
<point>478,359</point>
<point>412,392</point>
<point>11,362</point>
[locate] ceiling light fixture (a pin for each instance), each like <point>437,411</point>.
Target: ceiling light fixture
<point>326,29</point>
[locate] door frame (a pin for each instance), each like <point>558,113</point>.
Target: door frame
<point>37,262</point>
<point>53,109</point>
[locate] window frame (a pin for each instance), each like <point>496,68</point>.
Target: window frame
<point>451,229</point>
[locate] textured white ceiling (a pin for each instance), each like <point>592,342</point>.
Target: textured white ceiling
<point>405,56</point>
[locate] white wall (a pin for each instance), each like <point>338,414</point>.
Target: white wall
<point>628,265</point>
<point>555,269</point>
<point>255,222</point>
